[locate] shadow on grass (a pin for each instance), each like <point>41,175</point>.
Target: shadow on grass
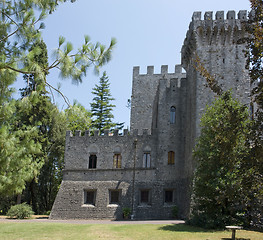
<point>183,228</point>
<point>236,238</point>
<point>187,228</point>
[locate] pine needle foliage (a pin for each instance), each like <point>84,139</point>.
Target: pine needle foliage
<point>29,133</point>
<point>20,211</point>
<point>101,107</point>
<point>21,26</point>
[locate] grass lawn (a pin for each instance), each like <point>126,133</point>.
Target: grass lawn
<point>57,231</point>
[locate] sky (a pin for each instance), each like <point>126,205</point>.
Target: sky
<point>148,33</point>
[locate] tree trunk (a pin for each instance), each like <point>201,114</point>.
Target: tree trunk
<point>18,199</point>
<point>33,195</point>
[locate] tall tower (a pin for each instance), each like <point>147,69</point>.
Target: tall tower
<point>159,105</point>
<point>218,43</point>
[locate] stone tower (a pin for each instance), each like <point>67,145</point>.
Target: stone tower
<point>149,168</point>
<point>218,43</point>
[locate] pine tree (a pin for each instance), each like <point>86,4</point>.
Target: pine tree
<point>42,114</point>
<point>21,23</point>
<point>20,28</point>
<point>101,107</point>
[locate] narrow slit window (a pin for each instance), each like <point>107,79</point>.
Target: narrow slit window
<point>172,115</point>
<point>171,158</point>
<point>117,160</point>
<point>146,160</point>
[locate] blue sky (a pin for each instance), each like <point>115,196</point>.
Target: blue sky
<point>148,32</point>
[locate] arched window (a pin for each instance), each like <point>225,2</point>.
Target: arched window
<point>146,160</point>
<point>117,157</point>
<point>117,160</point>
<point>172,114</point>
<point>171,158</point>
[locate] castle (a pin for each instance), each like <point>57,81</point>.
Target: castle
<point>149,169</point>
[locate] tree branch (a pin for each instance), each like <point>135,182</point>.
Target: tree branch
<point>64,97</point>
<point>9,18</point>
<point>18,70</point>
<point>11,34</point>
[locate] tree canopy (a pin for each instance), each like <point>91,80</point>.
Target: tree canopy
<point>77,118</point>
<point>220,154</point>
<point>20,28</point>
<point>29,126</point>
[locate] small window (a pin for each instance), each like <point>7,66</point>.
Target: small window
<point>146,160</point>
<point>92,161</point>
<point>172,115</point>
<point>168,196</point>
<point>89,197</point>
<point>117,161</point>
<point>145,196</point>
<point>114,196</point>
<point>171,158</point>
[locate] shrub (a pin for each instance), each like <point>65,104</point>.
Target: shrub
<point>47,212</point>
<point>20,211</point>
<point>126,212</point>
<point>175,211</point>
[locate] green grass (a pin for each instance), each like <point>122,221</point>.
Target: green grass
<point>59,231</point>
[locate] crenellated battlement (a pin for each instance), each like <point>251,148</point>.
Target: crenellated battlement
<point>214,30</point>
<point>107,133</point>
<point>178,71</point>
<point>218,23</point>
<point>220,15</point>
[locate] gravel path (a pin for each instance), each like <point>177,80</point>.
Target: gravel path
<point>73,221</point>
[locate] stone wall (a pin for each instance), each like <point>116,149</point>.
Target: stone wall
<point>217,42</point>
<point>130,179</point>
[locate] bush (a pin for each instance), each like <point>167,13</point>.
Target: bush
<point>20,211</point>
<point>47,212</point>
<point>175,211</point>
<point>126,212</point>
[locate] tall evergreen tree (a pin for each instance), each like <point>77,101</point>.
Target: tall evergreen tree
<point>101,107</point>
<point>50,123</point>
<point>21,23</point>
<point>221,153</point>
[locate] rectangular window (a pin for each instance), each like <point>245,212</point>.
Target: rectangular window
<point>168,196</point>
<point>117,161</point>
<point>171,157</point>
<point>146,160</point>
<point>89,197</point>
<point>145,196</point>
<point>92,161</point>
<point>114,196</point>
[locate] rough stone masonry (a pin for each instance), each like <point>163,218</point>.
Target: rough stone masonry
<point>148,169</point>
